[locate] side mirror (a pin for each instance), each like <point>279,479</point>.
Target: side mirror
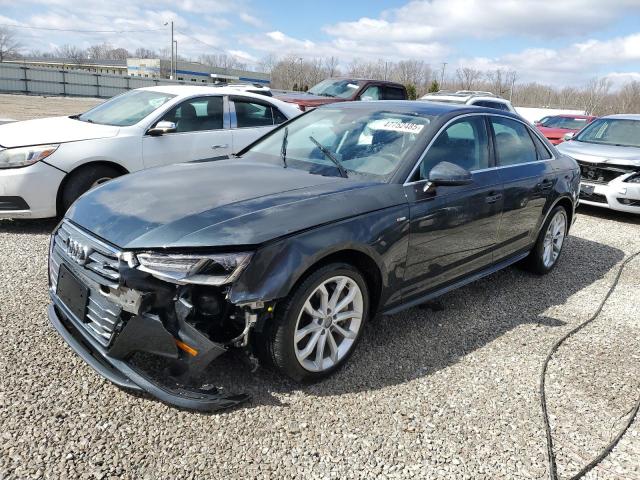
<point>162,128</point>
<point>449,174</point>
<point>568,136</point>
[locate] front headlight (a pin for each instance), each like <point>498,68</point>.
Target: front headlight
<point>216,269</point>
<point>24,156</point>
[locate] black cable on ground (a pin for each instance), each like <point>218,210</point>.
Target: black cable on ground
<point>553,473</point>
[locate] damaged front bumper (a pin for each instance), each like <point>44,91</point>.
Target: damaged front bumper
<point>109,313</point>
<point>616,187</point>
<point>126,375</point>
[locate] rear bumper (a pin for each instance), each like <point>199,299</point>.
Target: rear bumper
<point>125,375</point>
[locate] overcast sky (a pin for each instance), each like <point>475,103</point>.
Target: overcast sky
<point>552,41</point>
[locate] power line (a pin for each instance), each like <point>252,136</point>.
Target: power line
<point>79,31</point>
<point>204,43</point>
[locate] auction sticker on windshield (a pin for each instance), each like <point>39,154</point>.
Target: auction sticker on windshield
<point>399,126</point>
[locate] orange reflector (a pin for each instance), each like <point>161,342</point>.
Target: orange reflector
<point>186,348</point>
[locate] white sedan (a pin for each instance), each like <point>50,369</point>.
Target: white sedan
<point>46,164</point>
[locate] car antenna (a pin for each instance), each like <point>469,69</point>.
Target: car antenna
<point>283,150</point>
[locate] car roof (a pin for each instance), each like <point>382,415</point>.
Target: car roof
<point>568,115</point>
<point>356,79</point>
<point>187,90</point>
<point>424,107</point>
<point>624,116</point>
<point>193,90</point>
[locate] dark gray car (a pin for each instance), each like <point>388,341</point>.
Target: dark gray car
<point>349,211</point>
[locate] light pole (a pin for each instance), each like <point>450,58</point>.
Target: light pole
<point>172,64</point>
<point>175,68</point>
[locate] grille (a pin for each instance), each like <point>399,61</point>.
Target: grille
<point>98,271</point>
<point>593,197</point>
<point>602,173</point>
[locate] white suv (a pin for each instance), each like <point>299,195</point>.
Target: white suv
<point>471,97</point>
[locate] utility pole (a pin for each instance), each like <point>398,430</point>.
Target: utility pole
<point>444,65</point>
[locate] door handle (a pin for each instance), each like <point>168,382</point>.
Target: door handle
<point>216,147</point>
<point>493,197</point>
<point>545,184</point>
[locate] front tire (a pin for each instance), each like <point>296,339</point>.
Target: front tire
<point>316,329</point>
<point>83,180</point>
<point>546,252</point>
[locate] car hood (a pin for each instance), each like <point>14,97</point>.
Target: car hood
<point>595,153</point>
<point>555,132</point>
<point>222,204</point>
<point>52,130</point>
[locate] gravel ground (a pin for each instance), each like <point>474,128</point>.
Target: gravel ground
<point>25,107</point>
<point>449,394</point>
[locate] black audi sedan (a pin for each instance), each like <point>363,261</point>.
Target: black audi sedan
<point>349,211</point>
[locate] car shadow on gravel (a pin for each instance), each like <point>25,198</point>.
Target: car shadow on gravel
<point>606,214</point>
<point>28,227</point>
<point>420,341</point>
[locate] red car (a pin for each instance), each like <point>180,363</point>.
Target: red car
<point>556,127</point>
<point>344,90</point>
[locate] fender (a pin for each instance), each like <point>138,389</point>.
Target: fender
<point>276,268</point>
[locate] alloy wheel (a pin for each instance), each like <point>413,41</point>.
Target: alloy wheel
<point>328,324</point>
<point>554,238</point>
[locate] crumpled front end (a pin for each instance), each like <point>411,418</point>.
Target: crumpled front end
<point>112,314</point>
<point>610,185</point>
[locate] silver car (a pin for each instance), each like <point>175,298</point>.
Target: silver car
<point>608,152</point>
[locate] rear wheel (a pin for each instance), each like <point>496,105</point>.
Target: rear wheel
<point>315,330</point>
<point>546,252</point>
<point>85,179</point>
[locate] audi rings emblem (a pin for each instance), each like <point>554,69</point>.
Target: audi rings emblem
<point>78,252</point>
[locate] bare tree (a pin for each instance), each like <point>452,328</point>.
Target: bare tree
<point>221,60</point>
<point>99,52</point>
<point>118,54</point>
<point>468,77</point>
<point>145,53</point>
<point>71,52</point>
<point>331,66</point>
<point>9,45</point>
<point>268,63</point>
<point>595,92</point>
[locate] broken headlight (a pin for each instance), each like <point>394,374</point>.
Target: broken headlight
<point>215,269</point>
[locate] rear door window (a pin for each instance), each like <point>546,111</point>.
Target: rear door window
<point>393,93</point>
<point>253,114</point>
<point>373,92</point>
<point>513,142</point>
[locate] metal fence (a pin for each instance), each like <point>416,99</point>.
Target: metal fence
<point>15,78</point>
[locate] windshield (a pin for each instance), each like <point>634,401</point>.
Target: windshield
<point>335,88</point>
<point>365,143</point>
<point>569,123</point>
<point>126,109</point>
<point>612,131</point>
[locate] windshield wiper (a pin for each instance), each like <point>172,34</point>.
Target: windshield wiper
<point>283,149</point>
<point>330,156</point>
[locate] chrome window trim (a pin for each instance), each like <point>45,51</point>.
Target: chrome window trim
<point>496,167</point>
